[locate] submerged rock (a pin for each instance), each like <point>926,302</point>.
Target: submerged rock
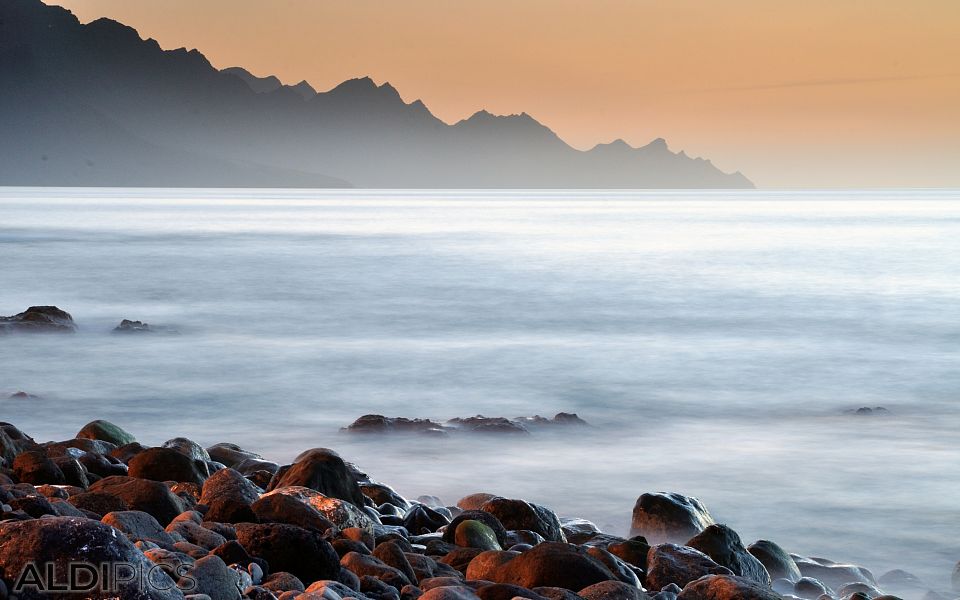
<point>39,319</point>
<point>668,517</point>
<point>127,326</point>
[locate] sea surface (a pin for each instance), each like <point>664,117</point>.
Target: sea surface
<point>714,340</point>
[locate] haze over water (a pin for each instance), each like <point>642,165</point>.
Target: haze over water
<point>714,340</point>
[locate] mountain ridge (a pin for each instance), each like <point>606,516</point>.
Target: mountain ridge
<point>174,103</point>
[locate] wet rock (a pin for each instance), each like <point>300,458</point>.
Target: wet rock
<point>301,552</point>
<point>38,319</point>
<point>98,503</point>
<point>620,569</point>
<point>322,470</point>
<point>474,534</point>
<point>723,545</point>
<point>230,454</point>
<point>475,501</point>
<point>166,464</point>
<point>775,559</point>
<point>384,494</point>
<point>423,519</point>
<point>367,565</point>
<point>450,593</point>
<point>127,326</point>
<point>379,424</point>
<point>578,531</point>
<point>195,533</point>
<point>139,526</point>
<point>668,517</point>
<point>281,508</point>
<point>612,590</point>
<point>391,554</point>
<point>866,411</point>
<point>808,587</point>
<point>61,541</point>
<point>21,395</point>
<point>505,591</point>
<point>494,425</point>
<point>107,432</point>
<point>485,565</point>
<point>460,558</point>
<point>832,574</point>
<point>553,564</point>
<point>34,467</point>
<point>211,576</point>
<point>726,587</point>
<point>484,517</point>
<point>151,497</point>
<point>519,515</point>
<point>281,581</point>
<point>229,496</point>
<point>555,593</point>
<point>670,563</point>
<point>633,551</point>
<point>341,513</point>
<point>858,588</point>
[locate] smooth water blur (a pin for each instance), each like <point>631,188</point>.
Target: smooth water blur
<point>714,339</point>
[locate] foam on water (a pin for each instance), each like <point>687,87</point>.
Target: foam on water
<point>714,339</point>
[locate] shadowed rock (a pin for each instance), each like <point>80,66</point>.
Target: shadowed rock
<point>519,515</point>
<point>723,545</point>
<point>39,319</point>
<point>727,587</point>
<point>670,563</point>
<point>322,470</point>
<point>775,559</point>
<point>668,517</point>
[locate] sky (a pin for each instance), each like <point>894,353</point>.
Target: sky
<point>818,93</point>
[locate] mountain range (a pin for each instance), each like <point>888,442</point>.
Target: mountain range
<point>97,105</point>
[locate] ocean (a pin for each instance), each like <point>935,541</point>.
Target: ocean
<point>714,340</point>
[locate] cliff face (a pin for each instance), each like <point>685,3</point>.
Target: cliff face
<point>97,105</point>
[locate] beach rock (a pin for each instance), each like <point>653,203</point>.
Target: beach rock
<point>775,559</point>
<point>832,574</point>
<point>670,563</point>
<point>392,555</point>
<point>61,541</point>
<point>449,534</point>
<point>166,464</point>
<point>74,473</point>
<point>485,565</point>
<point>149,496</point>
<point>230,454</point>
<point>384,494</point>
<point>450,593</point>
<point>229,497</point>
<point>126,452</point>
<point>612,590</point>
<point>505,591</point>
<point>555,593</point>
<point>850,589</point>
<point>810,588</point>
<point>723,545</point>
<point>39,319</point>
<point>341,513</point>
<point>211,576</point>
<point>423,519</point>
<point>188,529</point>
<point>322,470</point>
<point>282,581</point>
<point>620,569</point>
<point>188,448</point>
<point>494,425</point>
<point>367,565</point>
<point>34,467</point>
<point>139,526</point>
<point>578,531</point>
<point>726,587</point>
<point>522,515</point>
<point>281,508</point>
<point>475,501</point>
<point>301,552</point>
<point>98,503</point>
<point>668,517</point>
<point>553,564</point>
<point>474,534</point>
<point>633,552</point>
<point>85,444</point>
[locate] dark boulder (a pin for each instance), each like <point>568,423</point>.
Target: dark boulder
<point>363,565</point>
<point>612,590</point>
<point>322,470</point>
<point>450,533</point>
<point>505,591</point>
<point>229,496</point>
<point>775,559</point>
<point>98,503</point>
<point>521,515</point>
<point>296,550</point>
<point>62,541</point>
<point>139,526</point>
<point>39,319</point>
<point>34,467</point>
<point>494,425</point>
<point>280,508</point>
<point>727,587</point>
<point>166,464</point>
<point>151,497</point>
<point>188,448</point>
<point>475,501</point>
<point>281,581</point>
<point>633,551</point>
<point>230,455</point>
<point>393,555</point>
<point>379,424</point>
<point>667,517</point>
<point>420,519</point>
<point>723,545</point>
<point>553,564</point>
<point>212,577</point>
<point>670,563</point>
<point>384,494</point>
<point>107,432</point>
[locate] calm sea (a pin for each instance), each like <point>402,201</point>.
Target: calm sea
<point>713,339</point>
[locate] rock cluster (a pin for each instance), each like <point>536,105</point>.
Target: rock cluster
<point>379,424</point>
<point>223,523</point>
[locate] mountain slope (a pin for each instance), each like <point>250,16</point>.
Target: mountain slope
<point>143,115</point>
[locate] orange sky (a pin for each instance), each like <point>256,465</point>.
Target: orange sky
<point>818,93</point>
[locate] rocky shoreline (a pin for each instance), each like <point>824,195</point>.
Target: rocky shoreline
<point>223,523</point>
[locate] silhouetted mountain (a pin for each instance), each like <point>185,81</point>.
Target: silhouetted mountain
<point>97,105</point>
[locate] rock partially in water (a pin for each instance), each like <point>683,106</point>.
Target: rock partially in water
<point>832,574</point>
<point>866,411</point>
<point>127,326</point>
<point>775,559</point>
<point>723,545</point>
<point>22,395</point>
<point>380,424</point>
<point>727,587</point>
<point>669,517</point>
<point>39,319</point>
<point>481,424</point>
